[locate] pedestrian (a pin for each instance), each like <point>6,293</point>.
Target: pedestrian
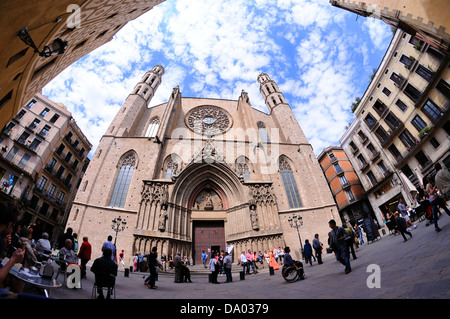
<point>280,255</point>
<point>121,258</point>
<point>204,258</point>
<point>135,262</point>
<point>220,260</point>
<point>67,235</point>
<point>227,264</point>
<point>350,240</point>
<point>402,209</point>
<point>140,261</point>
<point>110,245</point>
<point>243,260</point>
<point>401,225</point>
<point>432,197</point>
<point>442,180</point>
<point>338,245</point>
<point>177,264</point>
<point>75,243</point>
<point>261,258</point>
<point>266,257</point>
<point>272,262</point>
<point>84,254</point>
<point>307,251</point>
<point>152,264</point>
<point>214,268</point>
<point>358,235</point>
<point>250,263</point>
<point>105,270</point>
<point>318,247</point>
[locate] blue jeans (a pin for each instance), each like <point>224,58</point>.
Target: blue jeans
<point>343,257</point>
<point>435,210</point>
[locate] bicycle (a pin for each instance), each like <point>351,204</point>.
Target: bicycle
<point>290,274</point>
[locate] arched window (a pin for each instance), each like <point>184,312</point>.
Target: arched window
<point>289,184</point>
<point>242,168</point>
<point>152,128</point>
<point>126,166</point>
<point>264,136</point>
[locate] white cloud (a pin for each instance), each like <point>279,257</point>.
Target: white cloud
<point>378,32</point>
<point>217,49</point>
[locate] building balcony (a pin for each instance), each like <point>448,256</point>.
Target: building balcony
<point>364,166</point>
<point>374,155</point>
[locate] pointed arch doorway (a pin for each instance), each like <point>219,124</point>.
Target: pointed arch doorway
<point>208,205</point>
<point>209,193</point>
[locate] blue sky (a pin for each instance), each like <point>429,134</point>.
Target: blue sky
<point>320,56</point>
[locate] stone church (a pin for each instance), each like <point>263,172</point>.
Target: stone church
<point>196,174</point>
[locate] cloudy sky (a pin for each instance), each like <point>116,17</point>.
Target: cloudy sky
<point>320,56</point>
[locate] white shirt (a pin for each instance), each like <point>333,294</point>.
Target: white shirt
<point>212,264</point>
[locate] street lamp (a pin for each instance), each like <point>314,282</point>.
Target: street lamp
<point>295,221</point>
<point>118,225</point>
<point>56,47</point>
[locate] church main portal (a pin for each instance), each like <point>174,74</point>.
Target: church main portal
<point>209,236</point>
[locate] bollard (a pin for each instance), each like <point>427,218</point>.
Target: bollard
<point>271,271</point>
<point>127,272</point>
<point>242,275</point>
<point>209,277</point>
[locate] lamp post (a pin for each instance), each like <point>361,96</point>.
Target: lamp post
<point>118,225</point>
<point>295,221</point>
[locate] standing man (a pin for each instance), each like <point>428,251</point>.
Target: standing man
<point>177,263</point>
<point>227,263</point>
<point>339,246</point>
<point>317,245</point>
<point>204,258</point>
<point>152,264</point>
<point>85,254</point>
<point>213,267</point>
<point>110,245</point>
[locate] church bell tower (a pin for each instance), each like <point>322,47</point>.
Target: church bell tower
<point>136,103</point>
<point>280,111</point>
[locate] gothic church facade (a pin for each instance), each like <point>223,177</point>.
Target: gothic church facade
<point>197,174</point>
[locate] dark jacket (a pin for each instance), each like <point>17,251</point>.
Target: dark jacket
<point>307,250</point>
<point>401,223</point>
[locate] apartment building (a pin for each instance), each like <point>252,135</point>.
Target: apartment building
<point>402,122</point>
<point>345,186</point>
<point>43,156</point>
